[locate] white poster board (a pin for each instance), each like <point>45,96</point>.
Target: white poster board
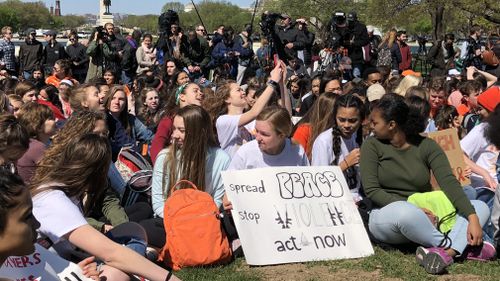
<point>295,214</point>
<point>42,265</point>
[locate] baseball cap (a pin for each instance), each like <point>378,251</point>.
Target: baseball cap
<point>375,92</point>
<point>490,98</point>
<point>411,72</point>
<point>50,33</point>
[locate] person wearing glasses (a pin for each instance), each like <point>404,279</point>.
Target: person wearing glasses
<point>7,52</point>
<point>78,57</point>
<point>61,71</point>
<point>201,31</point>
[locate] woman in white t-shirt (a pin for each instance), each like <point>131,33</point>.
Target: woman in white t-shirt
<point>340,144</point>
<point>18,235</point>
<point>272,146</point>
<point>58,204</point>
<point>227,107</point>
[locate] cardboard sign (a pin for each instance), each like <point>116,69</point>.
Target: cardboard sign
<point>449,142</point>
<point>295,214</point>
<point>42,265</point>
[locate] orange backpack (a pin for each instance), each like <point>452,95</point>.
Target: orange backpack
<point>194,232</point>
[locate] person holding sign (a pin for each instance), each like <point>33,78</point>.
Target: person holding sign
<point>395,164</point>
<point>194,156</point>
<point>58,204</point>
<point>234,127</point>
<point>339,145</point>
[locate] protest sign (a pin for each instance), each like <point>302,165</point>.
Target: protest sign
<point>448,141</point>
<point>295,214</point>
<point>42,265</point>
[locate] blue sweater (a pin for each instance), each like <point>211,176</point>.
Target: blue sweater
<point>217,161</point>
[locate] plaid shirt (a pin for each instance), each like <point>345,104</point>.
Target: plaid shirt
<point>7,55</point>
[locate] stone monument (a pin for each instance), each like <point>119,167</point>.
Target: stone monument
<point>104,13</point>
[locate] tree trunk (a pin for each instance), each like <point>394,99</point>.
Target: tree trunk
<point>437,22</point>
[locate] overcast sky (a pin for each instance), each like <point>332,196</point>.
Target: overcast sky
<point>138,7</point>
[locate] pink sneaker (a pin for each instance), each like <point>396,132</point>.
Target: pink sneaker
<point>486,252</point>
<point>435,260</point>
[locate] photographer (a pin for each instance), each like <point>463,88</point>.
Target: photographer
<point>289,38</point>
<point>98,52</point>
<point>308,38</point>
<point>243,44</point>
<point>199,55</point>
<point>358,37</point>
<point>225,54</point>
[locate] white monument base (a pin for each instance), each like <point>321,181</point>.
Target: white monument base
<point>103,19</point>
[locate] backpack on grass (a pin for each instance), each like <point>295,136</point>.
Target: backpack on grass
<point>193,228</point>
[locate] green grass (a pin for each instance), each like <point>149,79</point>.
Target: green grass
<point>384,264</point>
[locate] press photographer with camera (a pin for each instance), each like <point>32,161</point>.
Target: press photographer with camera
<point>350,33</point>
<point>289,37</point>
<point>99,52</point>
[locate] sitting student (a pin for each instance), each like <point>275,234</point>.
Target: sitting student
<point>447,117</point>
<point>117,106</point>
<point>18,235</point>
<point>14,142</point>
<point>339,145</point>
<point>61,71</point>
<point>27,91</point>
<point>151,108</point>
<point>316,121</point>
<point>15,103</point>
<point>483,156</point>
<point>39,121</point>
<point>234,126</point>
<point>184,95</point>
<point>395,164</point>
<point>272,146</point>
<point>194,156</point>
<point>58,205</point>
<point>437,98</point>
<point>493,137</point>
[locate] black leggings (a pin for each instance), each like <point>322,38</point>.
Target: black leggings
<point>139,211</point>
<point>155,231</point>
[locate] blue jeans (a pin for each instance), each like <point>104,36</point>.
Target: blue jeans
<point>131,235</point>
<point>402,222</point>
<point>116,180</point>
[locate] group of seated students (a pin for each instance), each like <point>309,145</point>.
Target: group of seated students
<point>59,183</point>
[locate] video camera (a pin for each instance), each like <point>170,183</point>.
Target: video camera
<point>339,35</point>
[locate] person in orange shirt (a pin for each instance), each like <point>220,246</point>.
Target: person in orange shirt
<point>60,71</point>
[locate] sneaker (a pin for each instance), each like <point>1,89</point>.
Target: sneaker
<point>152,254</point>
<point>486,252</point>
<point>435,260</point>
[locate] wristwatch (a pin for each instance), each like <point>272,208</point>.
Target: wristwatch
<point>273,84</point>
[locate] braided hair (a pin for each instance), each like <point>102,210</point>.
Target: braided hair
<point>347,101</point>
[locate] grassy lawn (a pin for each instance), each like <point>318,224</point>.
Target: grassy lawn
<point>384,265</point>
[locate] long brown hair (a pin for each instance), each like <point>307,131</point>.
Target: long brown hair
<point>81,169</point>
<point>81,122</point>
<point>216,104</point>
<point>123,117</point>
<point>319,118</point>
<point>189,161</point>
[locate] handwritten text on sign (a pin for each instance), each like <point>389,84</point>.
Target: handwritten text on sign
<point>449,142</point>
<point>295,214</point>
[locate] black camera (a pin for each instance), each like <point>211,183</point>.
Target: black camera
<point>101,33</point>
<point>268,20</point>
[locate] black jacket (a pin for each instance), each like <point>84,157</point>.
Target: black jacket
<point>359,38</point>
<point>290,35</point>
<point>52,53</point>
<point>30,55</point>
<point>78,53</point>
<point>308,38</point>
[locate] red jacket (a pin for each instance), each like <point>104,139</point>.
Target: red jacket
<point>405,57</point>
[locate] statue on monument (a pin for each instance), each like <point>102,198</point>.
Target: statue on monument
<point>107,3</point>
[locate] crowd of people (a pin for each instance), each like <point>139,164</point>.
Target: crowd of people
<point>195,106</point>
